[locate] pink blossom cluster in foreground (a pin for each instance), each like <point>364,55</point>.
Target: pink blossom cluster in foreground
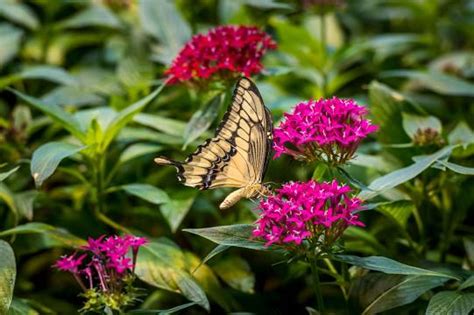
<point>104,259</point>
<point>307,210</point>
<point>328,130</point>
<point>224,52</point>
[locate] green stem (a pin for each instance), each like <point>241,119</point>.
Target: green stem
<point>99,209</point>
<point>316,284</point>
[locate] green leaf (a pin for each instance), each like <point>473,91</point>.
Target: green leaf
<point>237,235</point>
<point>163,265</point>
<point>21,307</point>
<point>403,175</point>
<point>467,284</point>
<point>436,81</point>
<point>457,168</point>
<point>177,207</point>
<point>72,95</point>
<point>24,203</point>
<point>167,125</point>
<point>66,120</point>
<point>319,171</point>
<point>216,251</point>
<point>47,157</point>
<point>60,236</point>
<point>7,275</point>
<point>414,123</point>
<point>8,198</point>
<point>380,292</point>
<point>10,39</point>
<point>147,192</point>
<point>137,150</point>
<point>451,303</point>
<point>4,175</point>
<point>359,239</point>
<point>202,119</point>
<point>387,265</point>
<point>386,107</point>
<point>461,134</point>
<point>126,115</point>
<point>235,271</point>
<point>95,15</point>
<point>161,19</point>
<point>19,13</point>
<point>399,211</point>
<point>163,312</point>
<point>50,73</point>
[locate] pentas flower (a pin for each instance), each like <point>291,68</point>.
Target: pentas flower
<point>328,130</point>
<point>307,211</point>
<point>105,270</point>
<point>225,52</point>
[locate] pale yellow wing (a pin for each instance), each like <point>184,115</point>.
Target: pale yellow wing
<point>238,154</point>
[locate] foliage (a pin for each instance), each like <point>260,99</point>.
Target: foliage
<point>85,106</point>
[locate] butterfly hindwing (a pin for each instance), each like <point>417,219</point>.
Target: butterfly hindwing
<point>238,153</point>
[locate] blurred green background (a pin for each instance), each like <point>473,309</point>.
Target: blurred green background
<point>410,61</point>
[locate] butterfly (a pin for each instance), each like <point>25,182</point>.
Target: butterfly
<point>238,154</point>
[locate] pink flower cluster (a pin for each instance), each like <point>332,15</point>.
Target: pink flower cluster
<point>224,52</point>
<point>103,259</point>
<point>329,130</point>
<point>307,210</point>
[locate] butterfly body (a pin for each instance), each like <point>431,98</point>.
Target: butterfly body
<point>238,154</point>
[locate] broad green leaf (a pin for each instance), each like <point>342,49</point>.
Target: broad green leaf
<point>380,292</point>
<point>414,123</point>
<point>10,38</point>
<point>461,134</point>
<point>50,73</point>
<point>436,81</point>
<point>166,125</point>
<point>8,198</point>
<point>21,307</point>
<point>60,236</point>
<point>4,175</point>
<point>147,192</point>
<point>135,72</point>
<point>457,168</point>
<point>376,162</point>
<point>19,13</point>
<point>137,150</point>
<point>24,203</point>
<point>132,134</point>
<point>72,95</point>
<point>177,207</point>
<point>126,115</point>
<point>7,275</point>
<point>319,171</point>
<point>237,235</point>
<point>451,303</point>
<point>399,211</point>
<point>95,15</point>
<point>163,265</point>
<point>387,265</point>
<point>467,284</point>
<point>363,241</point>
<point>161,19</point>
<point>66,120</point>
<point>202,119</point>
<point>235,271</point>
<point>386,107</point>
<point>47,157</point>
<point>403,175</point>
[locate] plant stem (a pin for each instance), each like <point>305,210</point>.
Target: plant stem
<point>99,209</point>
<point>316,284</point>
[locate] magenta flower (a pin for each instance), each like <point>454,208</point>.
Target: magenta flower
<point>224,52</point>
<point>70,263</point>
<point>328,130</point>
<point>307,211</point>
